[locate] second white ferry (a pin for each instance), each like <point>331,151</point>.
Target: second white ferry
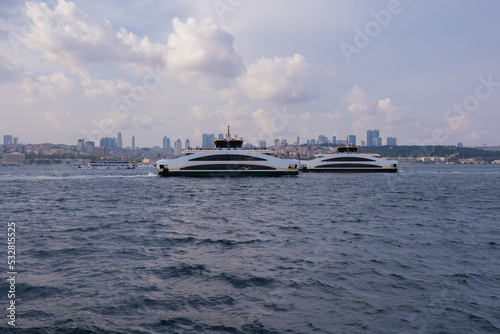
<point>348,160</point>
<point>228,159</point>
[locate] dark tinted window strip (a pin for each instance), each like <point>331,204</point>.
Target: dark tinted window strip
<point>228,157</point>
<point>349,166</point>
<point>348,159</point>
<point>228,167</point>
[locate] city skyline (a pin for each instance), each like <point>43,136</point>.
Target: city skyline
<point>425,73</point>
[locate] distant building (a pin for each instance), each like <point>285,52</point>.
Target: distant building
<point>391,141</point>
<point>133,142</point>
<point>363,143</point>
<point>7,140</point>
<point>370,135</point>
<point>334,140</point>
<point>14,141</point>
<point>1,150</point>
<point>341,142</point>
<point>352,140</point>
<point>313,141</point>
<point>262,143</point>
<point>100,152</point>
<point>187,144</point>
<point>322,140</point>
<point>377,141</point>
<point>166,143</point>
<point>81,145</point>
<point>298,141</point>
<point>20,149</point>
<point>221,136</point>
<point>276,141</point>
<point>107,142</point>
<point>178,147</point>
<point>14,157</point>
<point>207,140</point>
<point>90,147</point>
<point>119,142</point>
<point>460,144</point>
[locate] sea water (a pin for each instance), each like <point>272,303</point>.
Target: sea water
<point>127,251</point>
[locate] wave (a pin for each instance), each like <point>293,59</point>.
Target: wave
<point>68,177</point>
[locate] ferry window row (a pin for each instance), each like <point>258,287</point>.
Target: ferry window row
<point>347,159</point>
<point>349,166</point>
<point>228,157</point>
<point>228,167</point>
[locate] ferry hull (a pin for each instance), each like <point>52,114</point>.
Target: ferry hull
<point>350,170</point>
<point>236,173</point>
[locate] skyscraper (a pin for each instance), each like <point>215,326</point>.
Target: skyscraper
<point>107,142</point>
<point>352,140</point>
<point>178,147</point>
<point>370,135</point>
<point>7,140</point>
<point>298,141</point>
<point>80,147</point>
<point>89,147</point>
<point>391,141</point>
<point>166,143</point>
<point>322,139</point>
<point>187,144</point>
<point>334,140</point>
<point>119,142</point>
<point>207,140</point>
<point>133,142</point>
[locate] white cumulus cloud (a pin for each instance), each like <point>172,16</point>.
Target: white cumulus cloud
<point>67,36</point>
<point>47,86</point>
<point>370,112</point>
<point>284,80</point>
<point>199,48</point>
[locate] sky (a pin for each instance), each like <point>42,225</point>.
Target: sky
<point>426,72</point>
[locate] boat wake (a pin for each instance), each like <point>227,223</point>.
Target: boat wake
<point>68,177</point>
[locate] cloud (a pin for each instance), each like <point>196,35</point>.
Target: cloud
<point>47,86</point>
<point>143,122</point>
<point>67,36</point>
<point>335,115</point>
<point>358,102</point>
<point>7,7</point>
<point>107,88</point>
<point>9,71</point>
<point>284,80</point>
<point>200,113</point>
<point>370,112</point>
<point>196,49</point>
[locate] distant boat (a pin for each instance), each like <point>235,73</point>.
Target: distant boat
<point>9,163</point>
<point>228,159</point>
<point>348,160</point>
<point>109,165</point>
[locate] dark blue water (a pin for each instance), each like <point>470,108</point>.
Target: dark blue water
<point>131,252</point>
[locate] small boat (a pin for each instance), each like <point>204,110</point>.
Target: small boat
<point>109,165</point>
<point>227,159</point>
<point>348,160</point>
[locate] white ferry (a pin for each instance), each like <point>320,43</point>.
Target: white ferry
<point>228,159</point>
<point>109,165</point>
<point>348,160</point>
